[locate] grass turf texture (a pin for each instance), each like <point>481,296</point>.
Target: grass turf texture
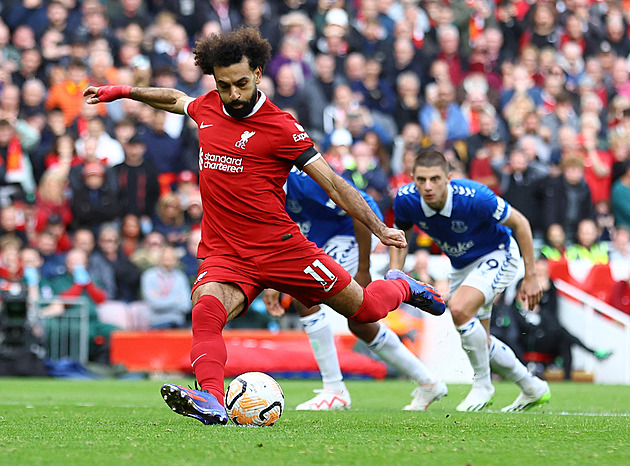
<point>127,422</point>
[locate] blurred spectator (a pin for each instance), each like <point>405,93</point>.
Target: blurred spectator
<point>62,156</point>
<point>587,248</point>
<point>445,108</point>
<point>378,94</point>
<point>169,219</point>
<point>409,99</point>
<point>189,261</point>
<point>409,135</point>
<point>9,224</point>
<point>68,95</point>
<point>288,95</point>
<point>619,254</point>
<point>126,275</point>
<point>137,180</point>
<point>75,282</point>
<point>597,167</point>
<point>448,50</point>
<point>52,201</point>
<point>338,154</point>
<point>258,14</point>
<point>519,185</point>
<point>10,267</point>
<point>620,197</point>
<point>367,175</point>
<point>567,198</point>
<point>149,253</point>
<point>167,291</point>
<point>130,234</point>
<point>30,67</point>
<point>161,148</point>
<point>555,243</point>
<point>16,138</point>
<point>108,150</point>
<point>93,200</point>
<point>53,262</point>
<point>98,268</point>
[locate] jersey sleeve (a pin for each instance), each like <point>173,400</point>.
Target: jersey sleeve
<point>292,142</point>
<point>495,206</point>
<point>402,217</point>
<point>191,108</point>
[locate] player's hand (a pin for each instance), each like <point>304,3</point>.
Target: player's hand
<point>530,292</point>
<point>393,237</point>
<point>271,298</point>
<point>105,93</point>
<point>363,278</point>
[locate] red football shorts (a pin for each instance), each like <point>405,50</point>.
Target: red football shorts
<point>307,273</point>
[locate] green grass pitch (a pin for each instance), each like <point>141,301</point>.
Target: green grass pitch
<point>57,422</point>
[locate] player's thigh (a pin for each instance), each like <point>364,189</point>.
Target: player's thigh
<point>307,274</point>
<point>348,301</point>
<point>233,281</point>
<point>489,275</point>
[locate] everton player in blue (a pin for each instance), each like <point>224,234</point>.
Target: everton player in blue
<point>481,234</point>
<point>349,243</point>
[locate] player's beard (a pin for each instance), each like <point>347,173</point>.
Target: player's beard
<point>246,109</point>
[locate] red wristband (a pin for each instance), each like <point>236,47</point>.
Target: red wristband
<point>110,93</point>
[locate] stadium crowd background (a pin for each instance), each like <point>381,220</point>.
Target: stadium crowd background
<point>529,98</point>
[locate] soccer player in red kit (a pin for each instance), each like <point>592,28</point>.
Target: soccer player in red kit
<point>247,147</point>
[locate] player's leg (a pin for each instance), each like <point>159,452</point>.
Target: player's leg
<point>334,395</point>
<point>464,304</point>
<point>386,344</point>
<point>504,362</point>
<point>214,304</point>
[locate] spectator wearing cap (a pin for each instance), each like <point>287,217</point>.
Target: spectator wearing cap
<point>68,95</point>
<point>137,180</point>
<point>93,200</point>
<point>186,187</point>
<point>338,154</point>
<point>620,197</point>
<point>338,38</point>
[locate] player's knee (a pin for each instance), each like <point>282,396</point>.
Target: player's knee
<point>461,311</point>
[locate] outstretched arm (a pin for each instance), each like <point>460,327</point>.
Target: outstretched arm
<point>162,98</point>
<point>349,199</point>
<point>397,256</point>
<point>530,292</point>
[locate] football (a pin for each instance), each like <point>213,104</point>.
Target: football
<point>254,399</point>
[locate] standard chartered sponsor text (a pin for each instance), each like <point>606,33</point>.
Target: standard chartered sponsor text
<point>224,163</point>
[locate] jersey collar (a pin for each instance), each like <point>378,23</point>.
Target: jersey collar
<point>446,210</point>
<point>261,101</point>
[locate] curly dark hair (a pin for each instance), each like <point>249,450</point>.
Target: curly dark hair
<point>229,48</point>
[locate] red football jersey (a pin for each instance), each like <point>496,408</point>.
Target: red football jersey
<point>243,165</point>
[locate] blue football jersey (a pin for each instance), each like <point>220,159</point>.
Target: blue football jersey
<point>469,225</point>
<point>317,215</point>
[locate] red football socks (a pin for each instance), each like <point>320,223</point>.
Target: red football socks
<point>380,298</point>
<point>208,354</point>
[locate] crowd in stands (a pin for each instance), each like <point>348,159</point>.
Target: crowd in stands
<point>529,98</point>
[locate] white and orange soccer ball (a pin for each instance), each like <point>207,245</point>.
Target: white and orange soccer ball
<point>254,399</point>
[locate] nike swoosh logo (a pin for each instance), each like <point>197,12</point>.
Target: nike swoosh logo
<point>202,126</point>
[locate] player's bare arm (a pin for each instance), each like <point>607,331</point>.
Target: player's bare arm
<point>530,292</point>
<point>397,256</point>
<point>271,298</point>
<point>349,199</point>
<point>162,98</point>
<point>364,241</point>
